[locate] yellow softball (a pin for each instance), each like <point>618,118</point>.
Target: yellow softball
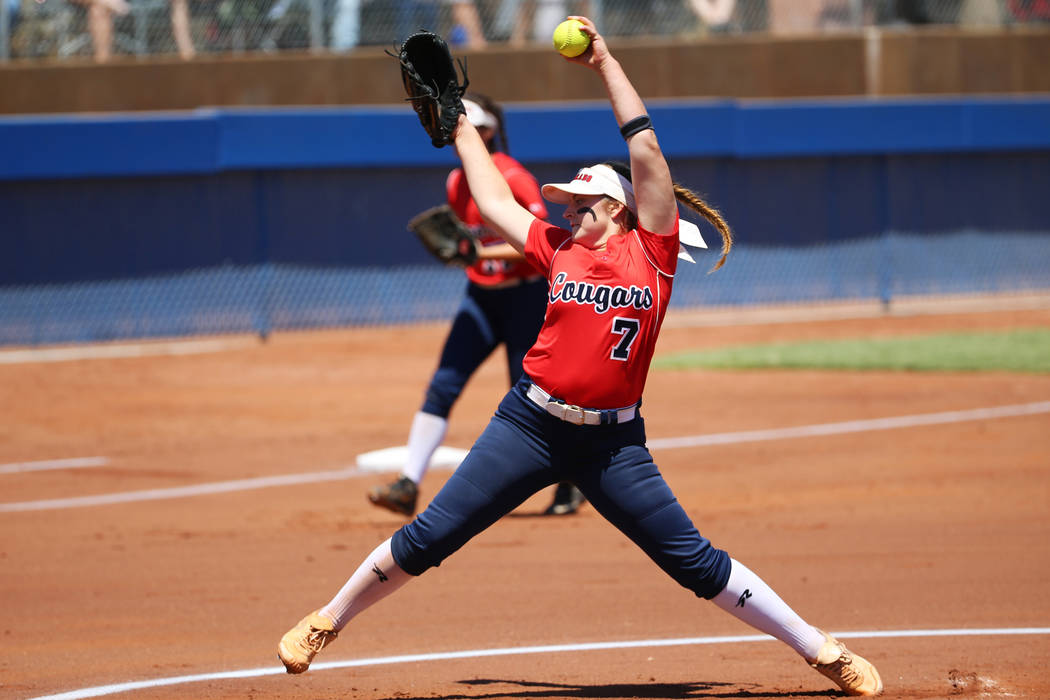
<point>569,40</point>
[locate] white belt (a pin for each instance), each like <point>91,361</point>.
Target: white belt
<point>575,414</point>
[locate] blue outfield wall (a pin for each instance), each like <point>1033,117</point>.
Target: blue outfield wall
<point>217,221</point>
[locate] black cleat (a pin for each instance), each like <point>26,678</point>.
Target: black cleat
<point>567,500</point>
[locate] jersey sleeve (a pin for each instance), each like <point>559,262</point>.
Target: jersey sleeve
<point>526,190</point>
<point>543,242</point>
<point>457,192</point>
<point>661,250</point>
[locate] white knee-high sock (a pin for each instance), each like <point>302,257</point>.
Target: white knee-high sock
<point>427,434</point>
<point>376,578</point>
<point>748,598</point>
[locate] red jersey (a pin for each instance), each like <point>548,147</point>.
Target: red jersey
<point>526,190</point>
<point>604,310</point>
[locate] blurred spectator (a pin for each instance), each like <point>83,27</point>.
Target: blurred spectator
<point>10,11</point>
<point>413,15</point>
<point>180,28</point>
<point>466,25</point>
<point>346,25</point>
<point>980,13</point>
<point>14,12</point>
<point>535,20</point>
<point>1029,10</point>
<point>842,14</point>
<point>792,16</point>
<point>101,18</point>
<point>100,24</point>
<point>344,32</point>
<point>410,15</point>
<point>930,11</point>
<point>714,14</point>
<point>912,11</point>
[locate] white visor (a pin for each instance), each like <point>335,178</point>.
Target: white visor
<point>603,180</point>
<point>477,115</point>
<point>597,179</point>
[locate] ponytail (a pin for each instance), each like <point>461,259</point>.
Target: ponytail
<point>691,200</point>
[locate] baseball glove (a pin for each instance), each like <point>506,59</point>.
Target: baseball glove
<point>445,236</point>
<point>429,76</point>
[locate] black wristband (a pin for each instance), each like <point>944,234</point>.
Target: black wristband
<point>635,125</point>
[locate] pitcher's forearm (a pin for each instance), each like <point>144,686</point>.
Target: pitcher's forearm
<point>489,190</point>
<point>654,194</point>
<point>624,98</point>
<point>483,177</point>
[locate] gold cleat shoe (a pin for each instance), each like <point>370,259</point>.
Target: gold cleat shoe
<point>300,645</point>
<point>855,675</point>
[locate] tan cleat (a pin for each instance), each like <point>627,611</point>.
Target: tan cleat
<point>855,675</point>
<point>399,496</point>
<point>300,645</point>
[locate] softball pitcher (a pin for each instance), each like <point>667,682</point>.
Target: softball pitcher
<point>505,302</point>
<point>574,414</point>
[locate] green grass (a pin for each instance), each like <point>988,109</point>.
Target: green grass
<point>1021,350</point>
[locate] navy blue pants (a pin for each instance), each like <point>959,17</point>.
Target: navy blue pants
<point>486,317</point>
<point>523,450</point>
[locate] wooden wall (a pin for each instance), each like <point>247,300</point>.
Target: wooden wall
<point>913,62</point>
<point>965,62</point>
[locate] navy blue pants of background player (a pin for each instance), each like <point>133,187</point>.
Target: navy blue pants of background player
<point>486,318</point>
<point>525,449</point>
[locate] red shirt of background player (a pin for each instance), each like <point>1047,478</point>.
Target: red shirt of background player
<point>526,191</point>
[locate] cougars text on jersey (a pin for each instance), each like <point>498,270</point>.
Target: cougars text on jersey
<point>602,296</point>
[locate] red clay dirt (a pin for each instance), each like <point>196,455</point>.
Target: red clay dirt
<point>936,527</point>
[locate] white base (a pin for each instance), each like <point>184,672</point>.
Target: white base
<point>392,459</point>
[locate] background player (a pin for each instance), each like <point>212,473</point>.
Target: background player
<point>611,277</point>
<point>505,301</point>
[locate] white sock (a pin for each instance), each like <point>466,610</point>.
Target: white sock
<point>427,434</point>
<point>748,598</point>
<point>376,578</point>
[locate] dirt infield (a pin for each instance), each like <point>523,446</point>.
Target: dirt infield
<point>899,531</point>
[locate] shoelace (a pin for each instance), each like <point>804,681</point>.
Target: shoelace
<point>317,639</point>
<point>843,668</point>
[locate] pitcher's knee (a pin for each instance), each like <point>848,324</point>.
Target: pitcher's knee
<point>707,573</point>
<point>410,553</point>
<point>443,392</point>
<point>439,531</point>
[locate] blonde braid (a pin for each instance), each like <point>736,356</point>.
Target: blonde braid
<point>693,201</point>
<point>690,199</point>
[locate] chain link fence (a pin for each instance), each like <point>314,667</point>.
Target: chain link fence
<point>268,298</point>
<point>102,29</point>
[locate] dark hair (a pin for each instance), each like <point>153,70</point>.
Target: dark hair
<point>691,200</point>
<point>499,139</point>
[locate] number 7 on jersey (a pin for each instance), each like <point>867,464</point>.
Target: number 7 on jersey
<point>627,328</point>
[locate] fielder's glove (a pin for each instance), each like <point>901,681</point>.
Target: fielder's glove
<point>445,236</point>
<point>429,77</point>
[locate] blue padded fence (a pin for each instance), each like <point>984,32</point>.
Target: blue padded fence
<point>259,221</point>
<point>253,299</point>
<point>266,298</point>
